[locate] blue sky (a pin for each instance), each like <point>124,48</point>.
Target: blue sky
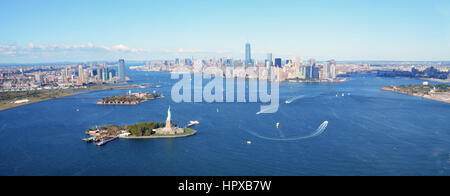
<point>86,30</point>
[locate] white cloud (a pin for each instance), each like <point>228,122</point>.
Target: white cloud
<point>53,52</point>
<point>37,50</point>
<point>182,50</point>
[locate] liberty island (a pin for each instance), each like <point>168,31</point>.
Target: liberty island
<point>144,130</point>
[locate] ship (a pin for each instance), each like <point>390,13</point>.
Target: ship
<point>90,139</point>
<point>192,123</point>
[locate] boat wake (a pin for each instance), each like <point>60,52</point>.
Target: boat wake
<point>270,108</point>
<point>289,101</point>
<point>319,131</point>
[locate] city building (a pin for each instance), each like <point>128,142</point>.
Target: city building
<point>248,55</point>
<point>80,74</point>
<point>278,62</point>
<point>121,70</point>
<point>269,60</point>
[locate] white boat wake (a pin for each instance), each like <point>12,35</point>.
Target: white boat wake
<point>319,131</point>
<point>289,101</point>
<point>266,109</point>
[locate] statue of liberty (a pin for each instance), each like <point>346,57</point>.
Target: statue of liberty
<point>169,121</point>
<point>169,115</point>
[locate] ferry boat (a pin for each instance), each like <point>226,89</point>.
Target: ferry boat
<point>89,140</point>
<point>193,123</point>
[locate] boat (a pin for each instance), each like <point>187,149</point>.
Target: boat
<point>249,142</point>
<point>278,125</point>
<point>193,123</point>
<point>287,102</point>
<point>90,139</point>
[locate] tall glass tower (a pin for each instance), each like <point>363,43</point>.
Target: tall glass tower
<point>121,70</point>
<point>248,55</point>
<point>269,61</point>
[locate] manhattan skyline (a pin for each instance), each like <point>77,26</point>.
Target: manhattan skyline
<point>60,31</point>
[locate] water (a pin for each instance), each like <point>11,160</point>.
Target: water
<point>370,132</point>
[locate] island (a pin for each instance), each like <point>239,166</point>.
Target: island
<point>143,130</point>
<point>10,100</point>
<point>439,92</point>
<point>129,99</point>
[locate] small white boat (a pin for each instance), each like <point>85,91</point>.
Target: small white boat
<point>193,123</point>
<point>249,142</point>
<point>278,125</point>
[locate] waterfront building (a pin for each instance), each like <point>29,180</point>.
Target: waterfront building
<point>121,70</point>
<point>312,71</point>
<point>99,74</point>
<point>332,69</point>
<point>80,74</point>
<point>302,72</point>
<point>308,74</point>
<point>105,74</point>
<point>316,72</point>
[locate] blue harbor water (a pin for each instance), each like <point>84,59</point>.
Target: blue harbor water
<point>370,132</point>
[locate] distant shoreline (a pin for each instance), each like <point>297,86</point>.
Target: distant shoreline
<point>6,104</point>
<point>416,95</point>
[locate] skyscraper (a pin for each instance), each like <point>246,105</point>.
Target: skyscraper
<point>277,62</point>
<point>269,60</point>
<point>332,69</point>
<point>80,74</point>
<point>121,70</point>
<point>248,55</point>
<point>312,64</point>
<point>326,71</point>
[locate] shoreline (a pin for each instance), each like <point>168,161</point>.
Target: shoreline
<point>390,89</point>
<point>130,104</point>
<point>4,107</point>
<point>160,137</point>
<point>37,101</point>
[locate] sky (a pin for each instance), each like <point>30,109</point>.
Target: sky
<point>89,30</point>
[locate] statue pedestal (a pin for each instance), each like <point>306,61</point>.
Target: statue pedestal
<point>168,124</point>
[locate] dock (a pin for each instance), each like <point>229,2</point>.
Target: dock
<point>105,141</point>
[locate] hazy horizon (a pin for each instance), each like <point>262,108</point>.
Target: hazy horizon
<point>82,31</point>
